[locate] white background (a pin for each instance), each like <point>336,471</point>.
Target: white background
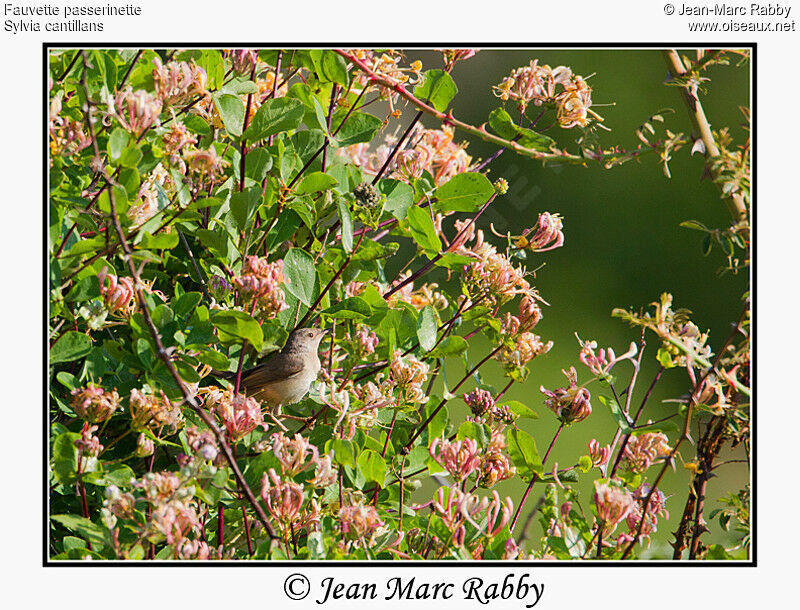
<point>529,23</point>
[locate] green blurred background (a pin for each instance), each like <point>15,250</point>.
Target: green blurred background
<point>624,246</point>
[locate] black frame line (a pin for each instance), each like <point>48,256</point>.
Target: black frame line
<point>316,564</point>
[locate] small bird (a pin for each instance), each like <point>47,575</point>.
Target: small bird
<point>286,376</point>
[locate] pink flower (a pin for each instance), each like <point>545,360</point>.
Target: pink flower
<point>117,292</point>
<point>178,82</point>
<point>240,414</point>
<point>283,499</point>
<point>479,401</point>
<point>88,444</point>
<point>93,403</point>
<point>613,504</point>
<point>601,364</point>
<point>459,458</point>
<point>643,449</point>
<point>571,404</point>
<point>599,455</point>
<point>359,520</point>
<point>136,111</point>
<point>261,280</point>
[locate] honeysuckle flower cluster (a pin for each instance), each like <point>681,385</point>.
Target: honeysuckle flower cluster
<point>177,137</point>
<point>67,136</point>
<point>283,498</point>
<point>431,150</point>
<point>93,403</point>
<point>178,82</point>
<point>457,508</point>
<point>359,521</point>
<point>547,235</point>
<point>136,111</point>
<point>297,455</point>
<point>713,395</point>
<point>558,87</point>
<point>88,444</point>
<point>495,464</point>
<point>406,374</point>
<point>492,274</point>
<point>613,503</point>
<point>204,167</point>
<point>459,458</point>
<point>144,446</point>
<point>120,505</point>
<point>600,455</point>
<point>435,152</point>
<point>643,449</point>
<point>570,404</point>
<point>243,60</point>
<point>117,292</point>
<point>451,56</point>
<point>601,363</point>
<point>239,414</point>
<point>656,508</point>
<point>479,401</point>
<point>154,412</point>
<point>261,280</point>
<point>366,340</point>
<point>386,64</point>
<point>148,196</point>
<point>202,443</point>
<point>526,347</point>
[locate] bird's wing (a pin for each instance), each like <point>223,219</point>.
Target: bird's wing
<point>279,367</point>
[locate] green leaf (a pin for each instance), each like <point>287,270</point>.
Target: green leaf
<point>427,328</point>
<point>438,87</point>
<point>286,226</point>
<point>196,124</point>
<point>231,109</point>
<point>695,225</point>
<point>372,466</point>
<point>257,163</point>
<point>344,451</point>
<point>243,204</point>
<point>347,224</point>
<point>422,230</point>
<point>451,260</point>
<point>334,68</point>
<point>65,457</point>
<point>399,197</point>
<point>161,241</point>
<point>617,414</point>
<point>87,288</point>
<point>89,531</point>
<point>214,359</point>
<point>233,325</point>
<point>466,192</point>
<point>520,409</point>
<point>351,308</point>
<point>472,430</point>
<point>500,121</point>
<point>274,115</point>
<point>186,303</point>
<point>359,127</point>
<point>71,346</point>
<point>452,345</point>
<point>522,449</point>
<point>117,142</point>
<point>301,276</point>
<point>314,182</point>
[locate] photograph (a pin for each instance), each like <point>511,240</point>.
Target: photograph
<point>399,305</point>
